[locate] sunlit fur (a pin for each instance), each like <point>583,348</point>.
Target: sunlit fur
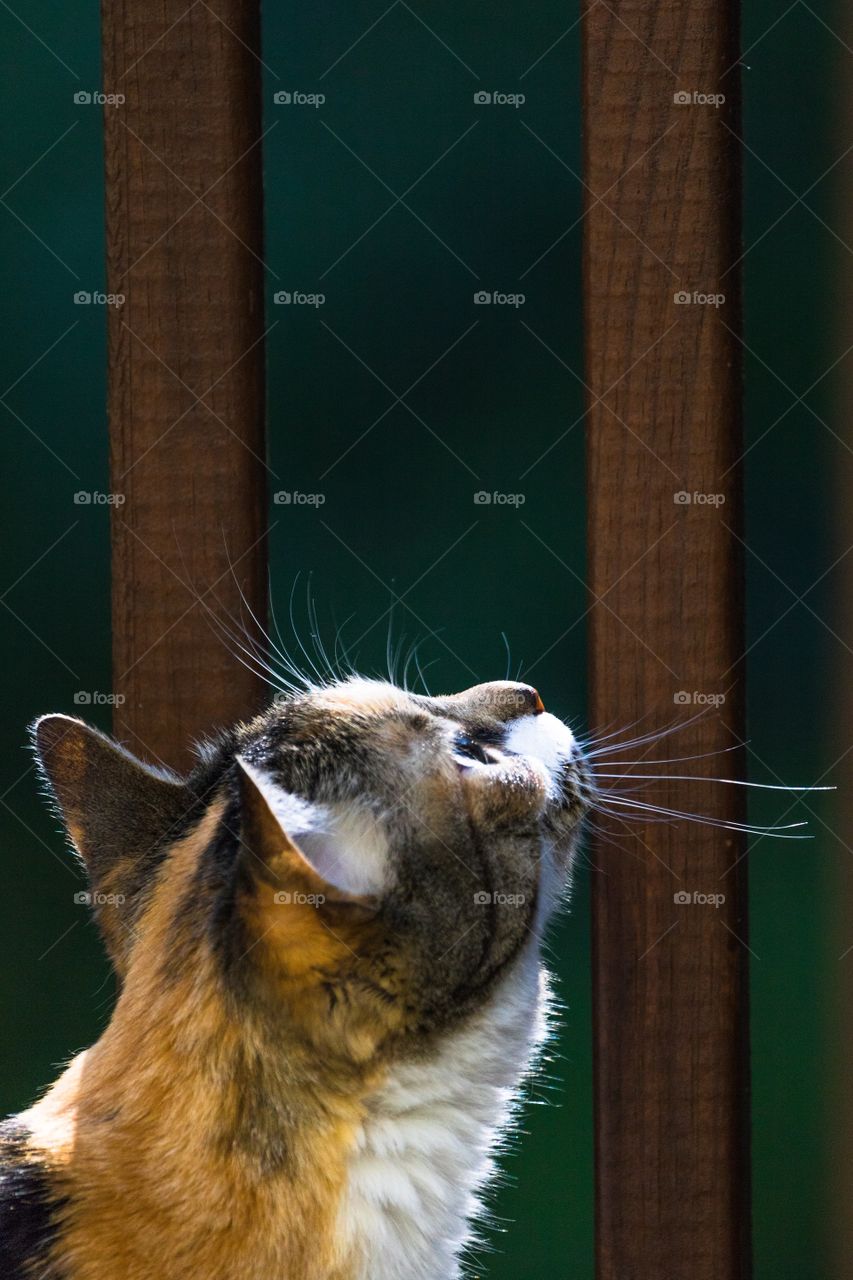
<point>327,939</point>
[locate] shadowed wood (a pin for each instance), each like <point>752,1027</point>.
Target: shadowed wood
<point>186,375</point>
<point>664,421</point>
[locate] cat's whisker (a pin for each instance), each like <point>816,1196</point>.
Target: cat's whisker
<point>389,650</point>
<point>234,634</point>
<point>311,663</point>
<point>508,656</point>
<point>344,662</point>
<point>645,763</point>
<point>398,657</point>
<point>410,658</point>
<point>238,634</point>
<point>316,636</point>
<point>281,648</point>
<point>251,660</point>
<point>653,736</point>
<point>779,831</point>
<point>593,737</point>
<point>261,631</point>
<point>285,678</point>
<point>651,819</point>
<point>730,782</point>
<point>421,671</point>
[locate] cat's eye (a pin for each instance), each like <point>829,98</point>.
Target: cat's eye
<point>466,749</point>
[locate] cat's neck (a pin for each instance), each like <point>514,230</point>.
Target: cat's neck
<point>424,1150</point>
<point>379,1185</point>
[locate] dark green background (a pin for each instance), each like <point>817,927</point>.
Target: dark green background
<point>399,512</point>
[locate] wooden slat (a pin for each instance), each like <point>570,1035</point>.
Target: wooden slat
<point>670,980</point>
<point>186,379</point>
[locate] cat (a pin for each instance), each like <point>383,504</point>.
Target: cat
<point>327,945</point>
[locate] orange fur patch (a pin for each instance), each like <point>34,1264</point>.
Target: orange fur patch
<point>133,1127</point>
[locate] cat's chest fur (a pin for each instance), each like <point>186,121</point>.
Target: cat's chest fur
<point>424,1151</point>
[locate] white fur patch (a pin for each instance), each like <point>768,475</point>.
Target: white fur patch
<point>427,1147</point>
<point>543,738</point>
<point>345,845</point>
<point>349,849</point>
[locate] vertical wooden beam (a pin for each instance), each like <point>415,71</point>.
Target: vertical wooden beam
<point>670,978</point>
<point>186,374</point>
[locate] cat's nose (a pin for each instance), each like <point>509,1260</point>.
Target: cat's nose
<point>505,699</point>
<point>530,699</point>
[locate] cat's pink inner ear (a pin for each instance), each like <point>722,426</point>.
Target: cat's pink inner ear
<point>285,835</point>
<point>263,834</point>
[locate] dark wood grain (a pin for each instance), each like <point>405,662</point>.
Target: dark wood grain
<point>186,375</point>
<point>670,979</point>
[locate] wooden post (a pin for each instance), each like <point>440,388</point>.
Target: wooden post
<point>186,373</point>
<point>663,360</point>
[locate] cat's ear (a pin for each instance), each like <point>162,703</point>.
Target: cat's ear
<point>277,845</point>
<point>119,814</point>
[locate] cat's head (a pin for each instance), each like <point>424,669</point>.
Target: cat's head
<point>359,866</point>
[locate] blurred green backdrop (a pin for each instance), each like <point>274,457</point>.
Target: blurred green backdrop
<point>398,398</point>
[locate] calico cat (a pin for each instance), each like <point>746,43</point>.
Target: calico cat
<point>327,942</point>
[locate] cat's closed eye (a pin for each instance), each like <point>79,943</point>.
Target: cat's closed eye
<point>466,749</point>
